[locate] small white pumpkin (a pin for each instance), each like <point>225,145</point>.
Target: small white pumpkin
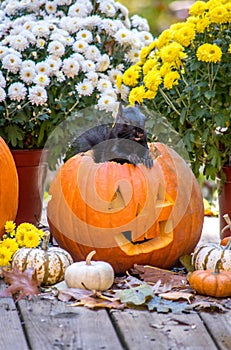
<point>206,256</point>
<point>92,275</point>
<point>49,263</point>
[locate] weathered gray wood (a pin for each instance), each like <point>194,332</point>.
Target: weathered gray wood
<point>147,330</point>
<point>219,326</point>
<point>11,328</point>
<point>51,324</point>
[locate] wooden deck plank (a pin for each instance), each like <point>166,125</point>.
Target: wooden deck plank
<point>219,326</point>
<point>145,330</point>
<point>10,324</point>
<point>54,325</point>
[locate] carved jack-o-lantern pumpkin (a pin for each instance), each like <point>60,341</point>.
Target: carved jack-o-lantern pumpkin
<point>128,214</point>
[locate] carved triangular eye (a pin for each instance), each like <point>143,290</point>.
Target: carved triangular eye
<point>117,201</point>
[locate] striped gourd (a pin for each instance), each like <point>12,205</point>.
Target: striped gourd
<point>205,256</point>
<point>50,263</point>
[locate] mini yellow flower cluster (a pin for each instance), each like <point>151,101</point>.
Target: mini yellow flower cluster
<point>24,235</point>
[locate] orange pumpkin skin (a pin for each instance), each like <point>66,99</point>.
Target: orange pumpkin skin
<point>8,186</point>
<point>129,215</point>
<point>211,283</point>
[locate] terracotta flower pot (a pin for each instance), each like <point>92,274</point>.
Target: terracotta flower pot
<point>225,201</point>
<point>32,168</point>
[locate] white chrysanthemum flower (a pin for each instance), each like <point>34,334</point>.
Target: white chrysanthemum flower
<point>42,68</point>
<point>70,67</point>
<point>85,88</point>
<point>122,9</point>
<point>107,103</point>
<point>71,25</point>
<point>110,92</point>
<point>108,8</point>
<point>12,63</point>
<point>17,91</point>
<point>50,7</point>
<point>2,94</point>
<point>54,64</point>
<point>2,80</point>
<point>109,25</point>
<point>78,57</point>
<point>18,42</point>
<point>145,37</point>
<point>80,46</point>
<point>28,63</point>
<point>78,10</point>
<point>56,48</point>
<point>41,30</point>
<point>104,84</point>
<point>85,35</point>
<point>91,22</point>
<point>123,36</point>
<point>113,73</point>
<point>58,37</point>
<point>3,51</point>
<point>140,23</point>
<point>133,55</point>
<point>37,95</point>
<point>42,80</point>
<point>103,63</point>
<point>27,74</point>
<point>93,77</point>
<point>88,66</point>
<point>92,53</point>
<point>30,37</point>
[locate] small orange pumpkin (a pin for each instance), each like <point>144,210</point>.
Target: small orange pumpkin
<point>128,214</point>
<point>214,283</point>
<point>8,186</point>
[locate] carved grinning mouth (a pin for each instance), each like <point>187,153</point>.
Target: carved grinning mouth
<point>127,245</point>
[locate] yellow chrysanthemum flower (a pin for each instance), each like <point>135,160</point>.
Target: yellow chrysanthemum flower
<point>31,239</point>
<point>137,94</point>
<point>172,53</point>
<point>229,48</point>
<point>144,53</point>
<point>209,53</point>
<point>152,80</point>
<point>198,8</point>
<point>171,79</point>
<point>131,76</point>
<point>149,64</point>
<point>219,15</point>
<point>119,81</point>
<point>9,226</point>
<point>5,256</point>
<point>164,38</point>
<point>11,244</point>
<point>185,35</point>
<point>200,23</point>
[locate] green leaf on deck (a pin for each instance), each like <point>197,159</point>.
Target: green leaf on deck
<point>136,296</point>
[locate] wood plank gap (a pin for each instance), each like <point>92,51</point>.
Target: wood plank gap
<point>118,330</point>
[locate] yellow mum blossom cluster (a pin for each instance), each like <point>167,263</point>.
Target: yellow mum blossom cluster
<point>24,235</point>
<point>185,75</point>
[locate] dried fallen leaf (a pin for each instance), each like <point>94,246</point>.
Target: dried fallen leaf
<point>21,283</point>
<point>177,296</point>
<point>136,296</point>
<point>151,274</point>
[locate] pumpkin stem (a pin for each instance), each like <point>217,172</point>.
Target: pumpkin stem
<point>46,240</point>
<point>89,257</point>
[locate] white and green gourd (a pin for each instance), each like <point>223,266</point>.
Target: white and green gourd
<point>49,263</point>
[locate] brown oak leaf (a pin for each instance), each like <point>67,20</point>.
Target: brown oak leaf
<point>22,284</point>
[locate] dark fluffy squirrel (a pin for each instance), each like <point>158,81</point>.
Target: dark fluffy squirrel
<point>124,141</point>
